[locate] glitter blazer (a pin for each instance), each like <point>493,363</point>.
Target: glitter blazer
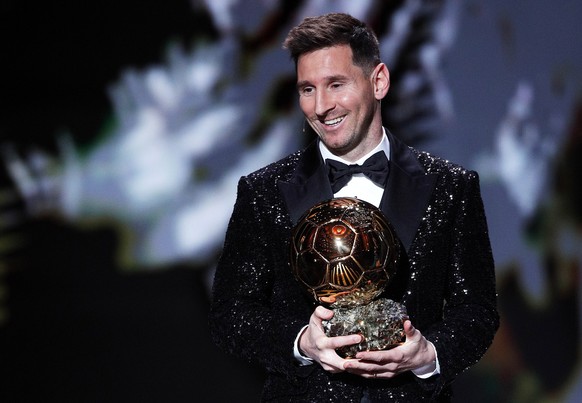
<point>446,277</point>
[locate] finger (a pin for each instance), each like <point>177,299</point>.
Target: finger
<point>410,331</point>
<point>378,357</point>
<point>331,344</point>
<point>369,375</point>
<point>408,328</point>
<point>323,313</point>
<point>379,375</point>
<point>369,370</point>
<point>329,359</point>
<point>359,367</point>
<point>332,364</point>
<point>341,341</point>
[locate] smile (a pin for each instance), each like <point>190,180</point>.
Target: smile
<point>334,122</point>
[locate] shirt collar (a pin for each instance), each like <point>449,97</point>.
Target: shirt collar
<point>384,145</point>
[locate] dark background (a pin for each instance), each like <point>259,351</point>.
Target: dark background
<point>80,330</point>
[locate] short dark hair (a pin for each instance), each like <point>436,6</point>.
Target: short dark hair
<point>335,29</point>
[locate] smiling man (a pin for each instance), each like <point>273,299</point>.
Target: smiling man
<point>341,101</point>
<point>446,279</point>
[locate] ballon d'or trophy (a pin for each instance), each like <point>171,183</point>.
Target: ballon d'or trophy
<point>344,253</point>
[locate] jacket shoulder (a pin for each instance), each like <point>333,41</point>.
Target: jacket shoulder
<point>281,169</point>
<point>443,167</point>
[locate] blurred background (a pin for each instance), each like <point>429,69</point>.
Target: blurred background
<point>126,125</point>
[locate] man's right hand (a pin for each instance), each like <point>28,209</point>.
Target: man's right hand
<point>313,343</point>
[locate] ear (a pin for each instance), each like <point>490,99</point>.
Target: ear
<point>381,81</point>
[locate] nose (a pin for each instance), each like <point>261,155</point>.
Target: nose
<point>323,103</point>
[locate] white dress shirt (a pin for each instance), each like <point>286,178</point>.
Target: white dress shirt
<point>360,186</point>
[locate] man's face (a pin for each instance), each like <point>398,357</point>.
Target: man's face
<point>341,103</point>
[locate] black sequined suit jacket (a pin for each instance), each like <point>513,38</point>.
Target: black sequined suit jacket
<point>446,279</point>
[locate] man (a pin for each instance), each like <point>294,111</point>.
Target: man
<point>446,279</point>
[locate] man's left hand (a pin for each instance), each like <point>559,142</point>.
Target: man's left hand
<point>415,352</point>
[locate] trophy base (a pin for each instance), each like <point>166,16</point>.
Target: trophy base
<point>381,323</point>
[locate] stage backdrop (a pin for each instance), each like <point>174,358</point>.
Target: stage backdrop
<point>125,127</point>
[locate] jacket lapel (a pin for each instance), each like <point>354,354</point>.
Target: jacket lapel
<point>407,193</point>
<point>308,186</point>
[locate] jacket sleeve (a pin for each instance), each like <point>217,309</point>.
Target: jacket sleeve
<point>470,317</point>
<point>246,318</point>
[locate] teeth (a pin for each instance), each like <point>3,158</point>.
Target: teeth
<point>333,121</point>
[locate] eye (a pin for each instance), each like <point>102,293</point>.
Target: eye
<point>306,91</point>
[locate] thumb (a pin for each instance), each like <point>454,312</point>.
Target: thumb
<point>409,330</point>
